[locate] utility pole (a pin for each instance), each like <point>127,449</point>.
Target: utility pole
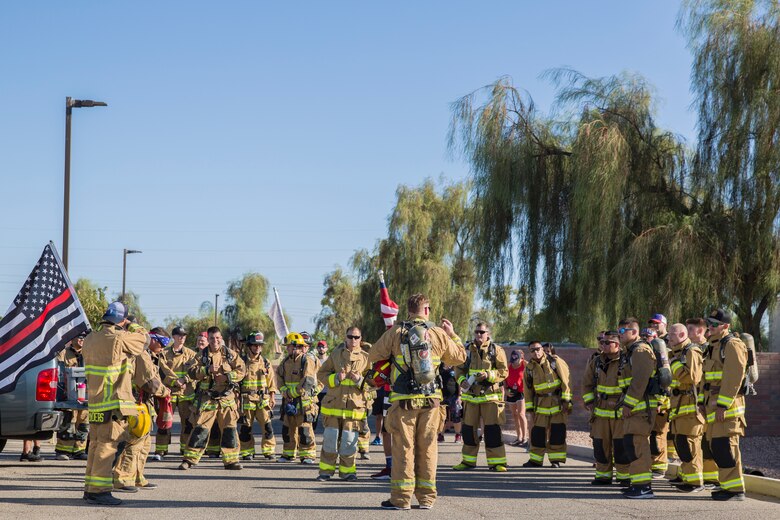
<point>216,308</point>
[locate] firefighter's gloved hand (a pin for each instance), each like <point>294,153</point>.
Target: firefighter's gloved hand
<point>134,327</point>
<point>355,376</point>
<point>481,376</point>
<point>465,385</point>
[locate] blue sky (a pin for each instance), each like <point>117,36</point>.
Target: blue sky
<point>268,136</point>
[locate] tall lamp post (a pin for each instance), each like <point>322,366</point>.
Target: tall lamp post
<point>71,103</point>
<point>124,268</point>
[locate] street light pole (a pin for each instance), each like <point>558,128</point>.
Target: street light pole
<point>126,252</point>
<point>69,104</point>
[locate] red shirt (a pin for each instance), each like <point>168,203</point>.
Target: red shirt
<point>515,378</point>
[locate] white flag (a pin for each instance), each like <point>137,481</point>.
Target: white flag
<point>276,314</point>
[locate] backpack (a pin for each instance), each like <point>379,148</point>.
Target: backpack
<point>751,368</point>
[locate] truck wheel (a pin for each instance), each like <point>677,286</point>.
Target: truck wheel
<point>2,444</point>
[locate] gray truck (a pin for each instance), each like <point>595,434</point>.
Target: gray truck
<point>30,411</point>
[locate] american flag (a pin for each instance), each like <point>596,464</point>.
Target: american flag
<point>43,318</point>
<point>388,307</point>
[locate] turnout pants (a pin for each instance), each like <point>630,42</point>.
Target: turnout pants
<point>658,444</point>
<point>129,469</point>
<point>364,436</point>
<point>548,435</point>
<point>263,417</point>
<point>163,438</point>
<point>103,442</point>
<point>215,439</point>
<point>607,435</point>
<point>298,437</point>
<point>339,444</point>
<point>415,453</point>
<point>723,440</point>
<point>73,441</point>
<point>636,443</point>
<point>224,414</point>
<point>492,415</point>
<point>687,432</point>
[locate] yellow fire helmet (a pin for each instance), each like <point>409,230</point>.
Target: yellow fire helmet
<point>294,339</point>
<point>139,425</point>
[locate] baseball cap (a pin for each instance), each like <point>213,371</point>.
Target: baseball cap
<point>721,316</point>
<point>322,343</point>
<point>116,313</point>
<point>648,332</point>
<point>179,331</point>
<point>204,334</point>
<point>255,338</point>
<point>657,318</point>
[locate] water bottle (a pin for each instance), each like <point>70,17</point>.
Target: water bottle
<point>81,392</point>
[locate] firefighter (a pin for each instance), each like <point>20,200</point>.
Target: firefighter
<point>416,347</point>
<point>661,442</point>
<point>306,430</point>
<point>687,424</point>
<point>724,403</point>
<point>148,371</point>
<point>176,357</point>
<point>602,388</point>
<point>218,372</point>
<point>297,379</point>
<point>548,398</point>
<point>107,354</point>
<point>258,391</point>
<point>480,379</point>
<point>638,408</point>
<point>697,330</point>
<point>72,442</point>
<point>344,407</point>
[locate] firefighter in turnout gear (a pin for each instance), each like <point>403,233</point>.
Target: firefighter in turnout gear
<point>148,371</point>
<point>416,348</point>
<point>343,408</point>
<point>603,385</point>
<point>297,379</point>
<point>724,403</point>
<point>108,355</point>
<point>258,390</point>
<point>687,423</point>
<point>548,397</point>
<point>660,448</point>
<point>218,371</point>
<point>177,357</point>
<point>697,328</point>
<point>72,442</point>
<point>480,379</point>
<point>638,408</point>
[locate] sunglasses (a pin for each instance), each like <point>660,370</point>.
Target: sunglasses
<point>607,341</point>
<point>480,332</point>
<point>534,349</point>
<point>353,337</point>
<point>713,323</point>
<point>623,330</point>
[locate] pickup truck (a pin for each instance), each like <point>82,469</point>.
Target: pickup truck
<point>30,411</point>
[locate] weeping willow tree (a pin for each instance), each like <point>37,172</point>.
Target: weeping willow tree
<point>601,213</point>
<point>340,306</point>
<point>427,250</point>
<point>736,73</point>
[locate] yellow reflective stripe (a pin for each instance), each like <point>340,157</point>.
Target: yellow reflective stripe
<point>358,415</point>
<point>731,484</point>
<point>332,383</point>
<point>548,411</point>
<point>676,366</point>
<point>481,398</point>
<point>427,484</point>
<point>346,470</point>
<point>566,396</point>
<point>541,387</point>
<point>348,382</point>
<point>402,484</point>
<point>725,400</point>
<point>98,370</point>
<point>625,382</point>
<point>684,410</point>
<point>588,397</point>
<point>733,412</point>
<point>631,401</point>
<point>713,376</point>
<point>113,404</point>
<point>399,397</point>
<point>606,414</point>
<point>609,390</point>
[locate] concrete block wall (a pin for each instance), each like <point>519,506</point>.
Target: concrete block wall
<point>763,410</point>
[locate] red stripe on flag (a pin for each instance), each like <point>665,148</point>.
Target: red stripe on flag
<point>35,324</point>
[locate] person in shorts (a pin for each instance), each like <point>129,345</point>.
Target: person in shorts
<point>515,400</point>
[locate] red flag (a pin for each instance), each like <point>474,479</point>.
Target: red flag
<point>387,306</point>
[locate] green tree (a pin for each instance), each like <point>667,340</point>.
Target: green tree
<point>427,250</point>
<point>613,215</point>
<point>340,307</point>
<point>93,300</point>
